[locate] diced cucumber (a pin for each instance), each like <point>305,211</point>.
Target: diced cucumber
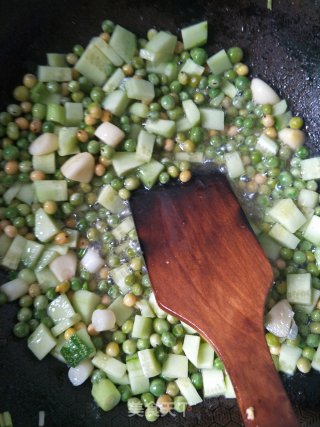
<point>149,173</point>
<point>191,344</point>
<point>85,337</point>
<point>288,358</point>
<point>41,341</point>
<point>46,279</point>
<point>282,121</point>
<point>183,124</point>
<point>121,249</point>
<point>45,163</point>
<point>39,92</point>
<point>56,60</point>
<point>138,382</point>
<point>124,42</point>
<point>195,35</point>
<point>110,200</point>
<point>269,246</point>
<point>60,309</point>
<point>45,228</point>
<point>108,51</point>
<point>191,111</point>
<point>85,302</point>
<point>219,62</point>
<point>308,198</point>
<point>116,102</point>
<point>105,394</point>
<point>31,253</point>
<point>230,392</point>
<point>73,113</point>
<point>308,308</point>
<point>114,81</point>
<point>47,73</point>
<point>192,68</point>
<point>14,289</point>
<point>68,142</point>
<point>169,69</point>
<point>299,288</point>
<point>312,230</point>
<point>310,168</point>
<point>121,311</point>
<point>125,226</point>
<point>62,326</point>
<point>149,363</point>
<point>189,330</point>
<point>109,365</point>
<point>188,391</point>
<point>75,350</point>
<point>124,162</point>
<point>13,256</point>
<point>145,308</point>
<point>92,64</point>
<point>213,382</point>
<point>205,356</point>
<point>286,213</point>
<point>139,109</point>
<point>212,118</point>
<point>283,236</point>
<point>139,89</point>
<point>80,373</point>
<point>73,236</point>
<point>26,194</point>
<point>11,193</point>
<point>145,145</point>
<point>175,366</point>
<point>119,275</point>
<point>234,164</point>
<point>166,128</point>
<point>55,190</point>
<point>5,243</point>
<point>316,360</point>
<point>279,108</point>
<point>160,48</point>
<point>196,157</point>
<point>142,327</point>
<point>266,145</point>
<point>56,113</point>
<point>155,307</point>
<point>229,89</point>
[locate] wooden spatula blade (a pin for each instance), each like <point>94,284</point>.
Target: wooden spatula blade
<point>207,268</point>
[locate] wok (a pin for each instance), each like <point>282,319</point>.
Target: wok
<point>281,46</point>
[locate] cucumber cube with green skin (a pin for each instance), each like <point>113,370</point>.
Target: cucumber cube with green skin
<point>284,237</point>
<point>5,243</point>
<point>196,157</point>
<point>139,89</point>
<point>47,257</point>
<point>234,164</point>
<point>145,145</point>
<point>56,60</point>
<point>212,118</point>
<point>47,73</point>
<point>229,89</point>
<point>288,358</point>
<point>31,253</point>
<point>286,213</point>
<point>191,344</point>
<point>92,64</point>
<point>56,113</point>
<point>175,366</point>
<point>46,279</point>
<point>205,356</point>
<point>13,256</point>
<point>56,190</point>
<point>114,81</point>
<point>299,288</point>
<point>110,200</point>
<point>149,173</point>
<point>139,109</point>
<point>116,102</point>
<point>121,230</point>
<point>41,341</point>
<point>191,111</point>
<point>160,48</point>
<point>121,311</point>
<point>149,363</point>
<point>45,163</point>
<point>105,394</point>
<point>308,308</point>
<point>138,382</point>
<point>108,51</point>
<point>75,350</point>
<point>11,193</point>
<point>230,392</point>
<point>68,142</point>
<point>118,275</point>
<point>109,365</point>
<point>60,309</point>
<point>188,391</point>
<point>213,382</point>
<point>65,324</point>
<point>85,302</point>
<point>316,360</point>
<point>124,43</point>
<point>312,231</point>
<point>26,194</point>
<point>162,127</point>
<point>124,162</point>
<point>142,327</point>
<point>195,35</point>
<point>192,68</point>
<point>310,168</point>
<point>45,228</point>
<point>73,113</point>
<point>183,124</point>
<point>219,62</point>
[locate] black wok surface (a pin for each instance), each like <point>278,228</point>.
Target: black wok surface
<point>281,46</point>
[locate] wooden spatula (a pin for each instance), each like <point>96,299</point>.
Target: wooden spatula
<point>207,268</point>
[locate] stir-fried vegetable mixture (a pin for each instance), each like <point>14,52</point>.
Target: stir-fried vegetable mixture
<point>87,130</point>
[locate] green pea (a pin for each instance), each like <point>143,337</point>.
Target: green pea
<point>26,301</point>
<point>160,351</point>
<point>3,298</point>
<point>315,327</point>
<point>161,325</point>
<point>33,324</point>
<point>147,399</point>
<point>313,340</point>
<point>235,54</point>
<point>51,294</point>
<point>39,111</point>
<point>196,379</point>
<point>127,326</point>
<point>21,329</point>
<point>180,404</point>
<point>167,102</point>
<point>272,340</point>
<point>143,343</point>
<point>299,257</point>
<point>157,387</point>
<point>218,363</point>
<point>168,339</point>
<point>97,375</point>
<point>308,353</point>
<point>199,55</point>
<point>119,337</point>
<point>24,314</point>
